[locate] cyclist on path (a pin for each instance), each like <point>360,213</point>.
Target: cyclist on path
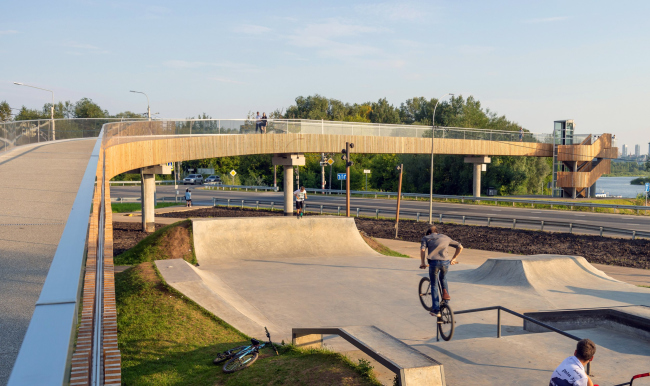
<point>301,196</point>
<point>434,246</point>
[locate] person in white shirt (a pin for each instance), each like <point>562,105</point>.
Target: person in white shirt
<point>301,196</point>
<point>571,372</point>
<point>258,122</point>
<point>188,197</point>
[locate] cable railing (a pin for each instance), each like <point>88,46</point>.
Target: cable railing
<point>18,133</point>
<point>127,131</point>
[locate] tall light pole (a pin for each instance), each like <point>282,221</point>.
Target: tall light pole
<point>51,107</point>
<point>148,108</point>
<point>433,132</point>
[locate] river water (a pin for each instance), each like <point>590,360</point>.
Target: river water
<point>619,186</point>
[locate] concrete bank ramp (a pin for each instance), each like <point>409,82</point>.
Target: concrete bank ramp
<point>277,237</point>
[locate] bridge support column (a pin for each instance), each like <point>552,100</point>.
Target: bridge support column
<point>148,198</point>
<point>148,194</point>
<point>288,161</point>
<point>479,166</point>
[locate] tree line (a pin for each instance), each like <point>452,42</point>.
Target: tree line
<point>83,108</point>
<point>509,175</point>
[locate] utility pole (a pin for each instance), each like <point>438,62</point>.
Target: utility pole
<point>400,169</point>
<point>322,170</point>
<point>275,177</point>
<point>330,185</point>
<point>348,162</point>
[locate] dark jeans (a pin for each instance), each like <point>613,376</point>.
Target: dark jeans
<point>438,271</point>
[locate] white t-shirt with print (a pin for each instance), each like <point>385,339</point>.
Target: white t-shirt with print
<point>569,373</point>
<point>300,195</point>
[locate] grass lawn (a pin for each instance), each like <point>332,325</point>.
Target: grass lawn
<point>166,339</point>
<point>127,207</point>
<point>173,241</point>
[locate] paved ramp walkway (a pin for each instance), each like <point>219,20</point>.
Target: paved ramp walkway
<point>39,185</point>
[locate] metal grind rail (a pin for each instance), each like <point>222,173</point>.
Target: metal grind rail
<point>524,317</point>
<point>489,220</point>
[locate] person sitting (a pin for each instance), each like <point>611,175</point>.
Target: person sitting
<point>571,372</point>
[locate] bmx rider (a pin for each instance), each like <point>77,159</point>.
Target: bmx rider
<point>301,196</point>
<point>434,246</point>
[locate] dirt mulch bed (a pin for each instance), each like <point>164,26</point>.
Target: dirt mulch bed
<point>127,235</point>
<point>596,249</point>
<point>222,212</point>
<point>604,250</point>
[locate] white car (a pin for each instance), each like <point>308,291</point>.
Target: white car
<point>193,179</point>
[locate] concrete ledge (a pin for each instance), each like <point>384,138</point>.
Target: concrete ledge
<point>633,320</point>
<point>412,367</point>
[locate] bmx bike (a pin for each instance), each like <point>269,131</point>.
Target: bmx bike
<point>445,322</point>
<point>633,378</point>
<point>242,357</point>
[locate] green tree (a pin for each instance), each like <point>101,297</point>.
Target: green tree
<point>128,114</point>
<point>26,114</point>
<point>5,111</point>
<point>86,108</point>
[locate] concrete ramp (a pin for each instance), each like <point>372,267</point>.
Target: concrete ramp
<point>540,272</point>
<point>216,240</point>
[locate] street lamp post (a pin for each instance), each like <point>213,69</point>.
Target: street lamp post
<point>148,108</point>
<point>433,132</point>
<point>51,107</point>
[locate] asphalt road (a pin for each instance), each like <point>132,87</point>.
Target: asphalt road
<point>204,197</point>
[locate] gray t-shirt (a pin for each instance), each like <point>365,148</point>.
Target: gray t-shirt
<point>437,244</point>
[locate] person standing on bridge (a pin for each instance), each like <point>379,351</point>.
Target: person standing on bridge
<point>521,134</point>
<point>258,123</point>
<point>188,198</point>
<point>434,246</point>
<point>571,372</point>
<point>301,196</point>
<point>263,123</point>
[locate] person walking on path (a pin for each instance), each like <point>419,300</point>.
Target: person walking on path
<point>301,196</point>
<point>188,198</point>
<point>264,120</point>
<point>571,372</point>
<point>258,123</point>
<point>521,134</point>
<point>434,246</point>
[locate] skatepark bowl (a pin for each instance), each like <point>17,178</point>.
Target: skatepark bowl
<point>287,273</point>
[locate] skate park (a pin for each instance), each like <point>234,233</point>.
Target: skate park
<point>321,275</point>
<point>285,273</point>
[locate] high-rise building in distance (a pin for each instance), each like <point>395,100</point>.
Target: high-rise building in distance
<point>648,150</point>
<point>637,151</point>
<point>624,151</point>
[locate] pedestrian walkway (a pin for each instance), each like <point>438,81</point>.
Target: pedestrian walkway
<point>635,276</point>
<point>39,185</point>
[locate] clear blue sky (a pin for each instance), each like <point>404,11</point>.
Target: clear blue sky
<point>535,62</point>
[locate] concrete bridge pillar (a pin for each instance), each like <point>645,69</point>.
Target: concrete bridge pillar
<point>148,194</point>
<point>288,161</point>
<point>480,164</point>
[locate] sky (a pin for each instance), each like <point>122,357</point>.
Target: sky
<point>532,61</point>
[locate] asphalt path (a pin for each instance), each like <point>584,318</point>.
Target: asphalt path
<point>204,197</point>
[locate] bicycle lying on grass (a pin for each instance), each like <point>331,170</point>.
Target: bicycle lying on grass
<point>446,323</point>
<point>241,357</point>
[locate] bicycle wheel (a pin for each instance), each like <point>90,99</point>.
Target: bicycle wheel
<point>425,293</point>
<point>222,356</point>
<point>239,363</point>
<point>446,322</point>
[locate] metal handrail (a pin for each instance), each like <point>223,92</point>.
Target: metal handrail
<point>524,317</point>
<point>512,221</point>
<point>49,340</point>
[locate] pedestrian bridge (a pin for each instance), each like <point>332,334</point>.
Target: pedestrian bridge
<point>87,348</point>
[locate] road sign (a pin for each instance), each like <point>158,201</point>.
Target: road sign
<point>233,173</point>
<point>647,187</point>
<point>366,171</point>
<point>330,161</point>
<point>171,164</point>
<point>341,176</point>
